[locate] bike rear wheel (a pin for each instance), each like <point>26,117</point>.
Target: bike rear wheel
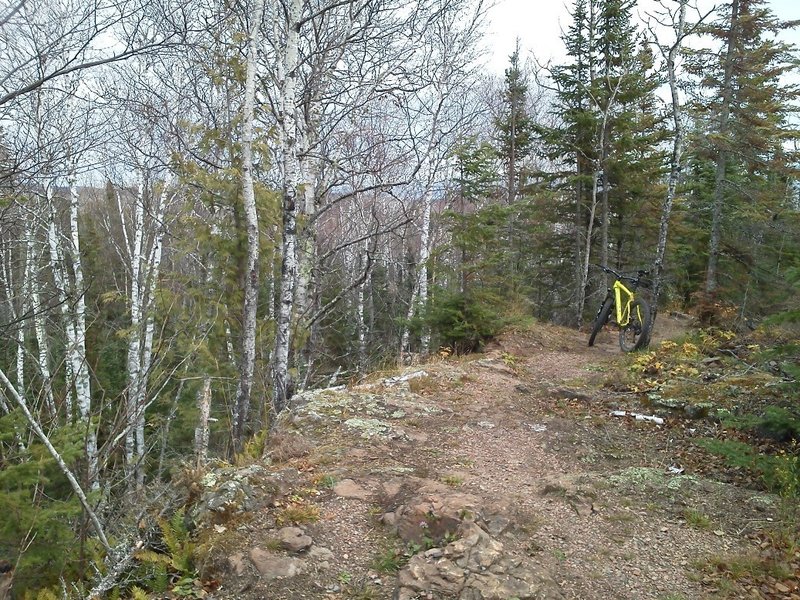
<point>636,334</point>
<point>601,319</point>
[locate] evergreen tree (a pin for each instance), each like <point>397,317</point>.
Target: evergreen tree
<point>608,143</point>
<point>629,156</point>
<point>745,125</point>
<point>475,183</point>
<point>571,144</point>
<point>514,127</point>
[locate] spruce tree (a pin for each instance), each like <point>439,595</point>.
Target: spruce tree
<point>745,120</point>
<point>514,127</point>
<point>608,145</point>
<point>630,159</point>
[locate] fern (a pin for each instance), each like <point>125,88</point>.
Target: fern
<point>152,557</point>
<point>180,554</point>
<point>138,593</point>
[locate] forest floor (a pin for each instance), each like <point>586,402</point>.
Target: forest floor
<point>520,441</point>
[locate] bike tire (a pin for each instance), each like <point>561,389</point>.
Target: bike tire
<point>601,319</point>
<point>636,334</point>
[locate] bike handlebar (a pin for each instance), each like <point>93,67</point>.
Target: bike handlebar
<point>635,280</point>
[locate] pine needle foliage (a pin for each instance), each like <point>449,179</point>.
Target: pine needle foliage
<point>465,321</point>
<point>41,516</point>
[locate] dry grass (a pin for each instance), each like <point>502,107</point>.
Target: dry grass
<point>297,513</point>
<point>283,447</point>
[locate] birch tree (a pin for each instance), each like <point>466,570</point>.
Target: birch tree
<point>674,19</point>
<point>357,54</point>
<point>59,140</point>
<point>282,387</point>
<point>143,228</point>
<point>46,40</point>
<point>250,308</point>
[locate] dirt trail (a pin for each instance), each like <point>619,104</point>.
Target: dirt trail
<point>596,501</point>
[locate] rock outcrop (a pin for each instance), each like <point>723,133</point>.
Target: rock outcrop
<point>474,567</point>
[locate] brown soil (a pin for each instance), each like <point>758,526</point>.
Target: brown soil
<point>526,425</point>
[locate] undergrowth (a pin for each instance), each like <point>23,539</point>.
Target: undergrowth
<point>749,388</point>
<point>748,385</point>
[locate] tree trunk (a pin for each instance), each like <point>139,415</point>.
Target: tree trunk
<point>580,279</point>
<point>134,453</point>
<point>201,433</point>
<point>422,281</point>
<point>587,250</point>
<point>59,278</point>
<point>306,258</point>
<point>675,161</point>
<point>722,154</point>
<point>15,313</point>
<point>291,174</point>
<point>604,214</point>
<point>363,325</point>
<point>40,332</point>
<point>83,391</point>
<point>250,308</point>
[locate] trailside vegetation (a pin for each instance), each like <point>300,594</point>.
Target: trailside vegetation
<point>251,199</point>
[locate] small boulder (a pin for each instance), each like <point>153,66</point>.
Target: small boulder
<point>236,564</point>
<point>294,539</point>
<point>273,566</point>
<point>321,556</point>
<point>347,488</point>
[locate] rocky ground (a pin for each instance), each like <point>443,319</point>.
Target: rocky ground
<point>499,475</point>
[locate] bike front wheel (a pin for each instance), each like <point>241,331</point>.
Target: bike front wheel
<point>601,319</point>
<point>636,334</point>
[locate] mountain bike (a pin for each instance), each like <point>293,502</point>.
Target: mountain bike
<point>632,312</point>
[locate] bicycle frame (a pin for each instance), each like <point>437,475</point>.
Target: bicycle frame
<point>623,297</point>
<point>621,301</point>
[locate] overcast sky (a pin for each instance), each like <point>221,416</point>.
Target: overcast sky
<point>539,23</point>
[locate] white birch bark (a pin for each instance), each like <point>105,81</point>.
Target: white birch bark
<point>144,252</point>
<point>587,252</point>
<point>153,268</point>
<point>80,367</point>
<point>201,435</point>
<point>676,158</point>
<point>57,269</point>
<point>291,168</point>
<point>306,258</point>
<point>229,345</point>
<point>363,326</point>
<point>419,295</point>
<point>309,172</point>
<point>19,364</point>
<point>40,332</point>
<point>250,308</point>
<point>11,293</point>
<point>422,277</point>
<point>133,452</point>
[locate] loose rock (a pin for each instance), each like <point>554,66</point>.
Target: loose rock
<point>273,566</point>
<point>475,567</point>
<point>294,539</point>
